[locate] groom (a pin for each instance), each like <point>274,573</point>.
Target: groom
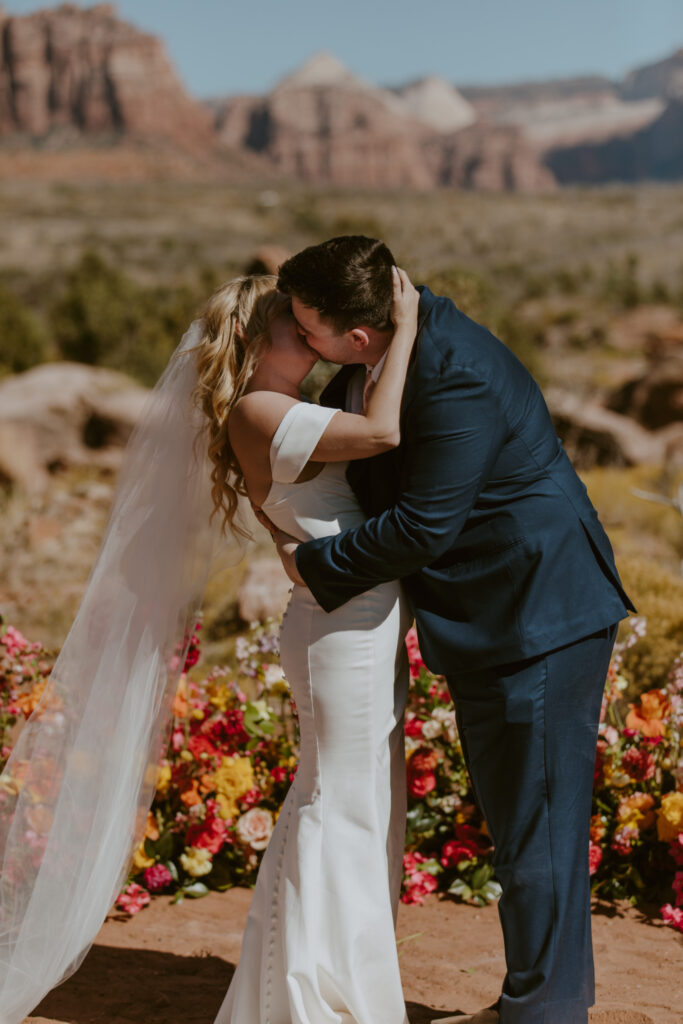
<point>512,582</point>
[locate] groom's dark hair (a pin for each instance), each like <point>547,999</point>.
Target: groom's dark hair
<point>346,279</point>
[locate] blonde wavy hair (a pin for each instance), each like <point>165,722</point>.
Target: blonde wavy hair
<point>236,329</point>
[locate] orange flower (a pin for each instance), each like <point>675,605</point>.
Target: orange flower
<point>190,795</point>
<point>598,828</point>
<point>637,811</point>
<point>647,715</point>
<point>28,702</point>
<point>180,702</point>
<point>151,827</point>
<point>423,760</point>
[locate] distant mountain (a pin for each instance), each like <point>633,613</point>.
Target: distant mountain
<point>654,153</point>
<point>663,80</point>
<point>75,79</point>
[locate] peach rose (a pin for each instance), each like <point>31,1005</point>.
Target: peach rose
<point>255,828</point>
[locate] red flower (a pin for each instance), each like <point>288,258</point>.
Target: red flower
<point>414,726</point>
<point>208,835</point>
<point>421,784</point>
<point>251,797</point>
<point>594,857</point>
<point>278,773</point>
<point>200,744</point>
<point>454,851</point>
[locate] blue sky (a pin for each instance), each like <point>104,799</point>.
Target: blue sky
<point>223,46</point>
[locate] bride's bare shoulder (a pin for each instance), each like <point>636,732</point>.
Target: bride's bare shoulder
<point>258,413</point>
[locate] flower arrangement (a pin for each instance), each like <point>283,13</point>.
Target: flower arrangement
<point>232,756</point>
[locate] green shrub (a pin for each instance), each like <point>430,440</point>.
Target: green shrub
<point>658,596</point>
<point>22,338</point>
<point>106,319</point>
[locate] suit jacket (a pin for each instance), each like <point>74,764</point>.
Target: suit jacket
<point>479,511</point>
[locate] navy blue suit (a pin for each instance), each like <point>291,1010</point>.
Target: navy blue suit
<point>514,589</point>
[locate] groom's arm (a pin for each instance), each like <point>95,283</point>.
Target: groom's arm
<point>452,436</point>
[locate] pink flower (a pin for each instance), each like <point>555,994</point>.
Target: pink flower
<point>414,657</point>
<point>421,883</point>
<point>255,828</point>
<point>132,899</point>
<point>412,861</point>
<point>678,888</point>
<point>673,916</point>
<point>623,839</point>
<point>639,764</point>
<point>251,797</point>
<point>676,849</point>
<point>157,877</point>
<point>594,858</point>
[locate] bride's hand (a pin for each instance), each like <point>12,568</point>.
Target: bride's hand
<point>286,549</point>
<point>405,301</point>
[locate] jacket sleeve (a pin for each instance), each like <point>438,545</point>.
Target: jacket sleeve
<point>453,432</point>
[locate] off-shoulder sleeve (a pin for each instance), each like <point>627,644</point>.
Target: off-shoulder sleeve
<point>295,439</point>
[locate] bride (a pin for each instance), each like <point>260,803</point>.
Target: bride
<point>319,942</point>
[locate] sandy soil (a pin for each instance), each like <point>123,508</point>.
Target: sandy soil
<point>172,964</point>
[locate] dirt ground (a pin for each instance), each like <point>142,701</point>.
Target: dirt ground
<point>172,964</point>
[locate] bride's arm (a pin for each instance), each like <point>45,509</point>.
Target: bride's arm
<point>350,436</point>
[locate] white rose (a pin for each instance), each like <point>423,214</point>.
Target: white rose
<point>431,729</point>
<point>255,828</point>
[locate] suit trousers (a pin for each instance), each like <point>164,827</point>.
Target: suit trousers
<point>529,733</point>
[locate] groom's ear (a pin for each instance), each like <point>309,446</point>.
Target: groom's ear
<point>359,338</point>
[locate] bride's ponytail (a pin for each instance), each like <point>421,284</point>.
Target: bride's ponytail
<point>236,322</point>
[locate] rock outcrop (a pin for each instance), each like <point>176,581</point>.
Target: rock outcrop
<point>64,414</point>
<point>655,152</point>
<point>67,72</point>
<point>325,125</point>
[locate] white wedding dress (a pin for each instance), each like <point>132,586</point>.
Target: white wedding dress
<point>319,944</point>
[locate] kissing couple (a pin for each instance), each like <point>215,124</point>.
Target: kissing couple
<point>427,485</point>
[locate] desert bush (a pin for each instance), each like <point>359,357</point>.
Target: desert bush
<point>658,596</point>
<point>23,342</point>
<point>104,318</point>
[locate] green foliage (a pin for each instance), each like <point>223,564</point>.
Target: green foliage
<point>22,338</point>
<point>104,318</point>
<point>658,596</point>
<point>474,295</point>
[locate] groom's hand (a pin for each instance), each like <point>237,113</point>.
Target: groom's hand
<point>286,548</point>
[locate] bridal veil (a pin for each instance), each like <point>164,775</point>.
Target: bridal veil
<point>78,784</point>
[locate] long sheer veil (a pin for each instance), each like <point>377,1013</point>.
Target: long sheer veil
<point>78,785</point>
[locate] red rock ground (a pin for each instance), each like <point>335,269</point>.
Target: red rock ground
<point>172,964</point>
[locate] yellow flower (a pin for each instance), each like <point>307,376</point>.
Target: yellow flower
<point>196,861</point>
<point>140,858</point>
<point>226,808</point>
<point>637,811</point>
<point>163,779</point>
<point>235,777</point>
<point>219,696</point>
<point>670,817</point>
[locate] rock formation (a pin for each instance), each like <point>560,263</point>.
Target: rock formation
<point>69,71</point>
<point>654,152</point>
<point>64,414</point>
<point>323,124</point>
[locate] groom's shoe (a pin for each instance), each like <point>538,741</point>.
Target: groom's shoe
<point>487,1016</point>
